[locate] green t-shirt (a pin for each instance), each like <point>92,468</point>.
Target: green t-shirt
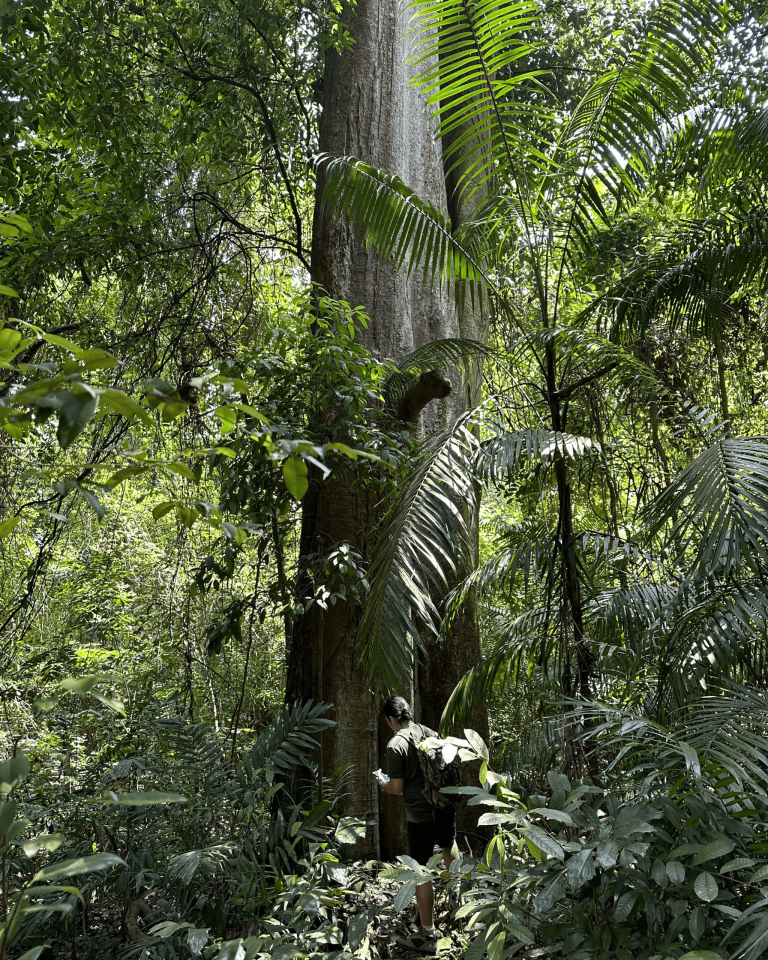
<point>402,763</point>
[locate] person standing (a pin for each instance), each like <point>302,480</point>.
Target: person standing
<point>427,825</point>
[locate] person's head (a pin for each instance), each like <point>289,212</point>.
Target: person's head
<point>397,712</point>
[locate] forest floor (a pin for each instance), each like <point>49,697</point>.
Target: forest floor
<point>381,892</point>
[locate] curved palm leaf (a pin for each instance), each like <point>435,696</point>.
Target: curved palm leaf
<point>520,636</point>
<point>424,539</point>
<point>692,277</point>
<point>437,354</point>
<point>721,505</point>
<point>399,226</point>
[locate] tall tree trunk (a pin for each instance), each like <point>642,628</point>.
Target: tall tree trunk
<point>371,111</point>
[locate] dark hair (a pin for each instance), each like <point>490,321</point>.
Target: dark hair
<point>398,709</point>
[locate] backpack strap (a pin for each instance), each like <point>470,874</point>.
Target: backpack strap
<point>411,743</point>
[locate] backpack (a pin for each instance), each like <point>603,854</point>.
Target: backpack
<point>437,774</point>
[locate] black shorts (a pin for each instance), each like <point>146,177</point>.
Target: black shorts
<point>440,830</point>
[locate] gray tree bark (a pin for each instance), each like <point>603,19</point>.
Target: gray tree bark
<point>370,111</point>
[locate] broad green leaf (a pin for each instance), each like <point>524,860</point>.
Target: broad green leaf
<point>7,291</point>
<point>196,940</point>
<point>19,221</point>
<point>718,848</point>
<point>404,895</point>
<point>58,341</point>
<point>162,508</point>
<point>675,872</point>
<point>13,772</point>
<point>295,477</point>
<point>496,946</point>
<point>560,815</point>
<point>117,706</point>
<point>45,843</point>
<point>45,704</point>
<point>543,841</point>
<point>35,952</point>
<point>81,685</point>
<point>350,829</point>
<point>125,474</point>
<point>78,865</point>
<point>519,932</point>
<point>126,406</point>
<point>7,526</point>
<point>706,887</point>
<point>74,414</point>
<point>8,811</point>
<point>701,955</point>
<point>144,798</point>
<point>738,863</point>
<point>172,409</point>
<point>182,470</point>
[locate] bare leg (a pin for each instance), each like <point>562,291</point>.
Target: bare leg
<point>425,899</point>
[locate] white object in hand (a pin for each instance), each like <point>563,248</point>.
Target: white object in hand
<point>381,776</point>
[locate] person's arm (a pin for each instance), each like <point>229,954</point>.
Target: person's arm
<point>392,786</point>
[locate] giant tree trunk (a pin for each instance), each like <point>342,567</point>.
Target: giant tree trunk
<point>370,111</point>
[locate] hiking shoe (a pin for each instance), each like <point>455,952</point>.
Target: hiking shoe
<point>421,942</point>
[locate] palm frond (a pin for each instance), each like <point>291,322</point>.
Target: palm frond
<point>732,728</point>
<point>691,278</point>
<point>437,354</point>
<point>618,119</point>
<point>424,542</point>
<point>397,225</point>
<point>469,54</point>
<point>721,505</point>
<point>521,635</point>
<point>504,453</point>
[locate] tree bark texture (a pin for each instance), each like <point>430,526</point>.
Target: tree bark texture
<point>370,111</point>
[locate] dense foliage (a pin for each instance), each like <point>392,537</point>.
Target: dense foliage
<point>172,384</point>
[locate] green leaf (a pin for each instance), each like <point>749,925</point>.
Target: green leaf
<point>496,946</point>
<point>295,477</point>
<point>350,829</point>
<point>74,414</point>
<point>81,685</point>
<point>45,843</point>
<point>404,895</point>
<point>560,815</point>
<point>58,341</point>
<point>162,508</point>
<point>182,470</point>
<point>144,798</point>
<point>126,406</point>
<point>701,955</point>
<point>738,863</point>
<point>18,221</point>
<point>117,706</point>
<point>13,772</point>
<point>8,525</point>
<point>718,848</point>
<point>78,865</point>
<point>706,887</point>
<point>7,291</point>
<point>675,872</point>
<point>35,952</point>
<point>543,841</point>
<point>172,409</point>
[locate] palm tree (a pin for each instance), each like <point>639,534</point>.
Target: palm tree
<point>684,585</point>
